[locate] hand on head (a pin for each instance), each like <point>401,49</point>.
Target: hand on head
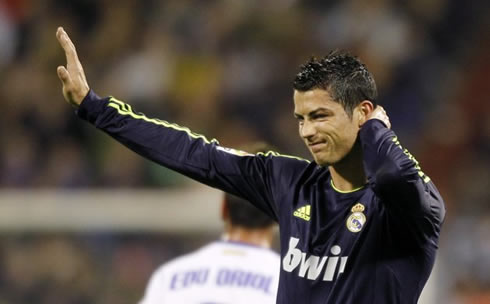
<point>75,86</point>
<point>380,113</point>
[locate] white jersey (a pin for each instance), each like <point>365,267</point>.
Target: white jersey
<point>218,273</point>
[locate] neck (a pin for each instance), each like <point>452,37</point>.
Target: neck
<point>348,174</point>
<point>261,237</point>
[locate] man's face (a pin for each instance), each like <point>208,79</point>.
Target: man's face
<point>328,132</point>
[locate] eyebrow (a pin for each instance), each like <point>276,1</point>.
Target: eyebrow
<point>299,116</point>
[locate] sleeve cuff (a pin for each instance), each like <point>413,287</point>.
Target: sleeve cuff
<point>376,123</point>
<point>372,132</point>
<point>91,106</point>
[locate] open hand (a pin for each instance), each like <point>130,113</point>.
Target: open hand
<point>75,86</point>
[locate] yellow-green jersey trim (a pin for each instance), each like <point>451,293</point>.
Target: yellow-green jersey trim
<point>273,153</point>
<point>125,109</point>
<point>422,175</point>
<point>345,191</point>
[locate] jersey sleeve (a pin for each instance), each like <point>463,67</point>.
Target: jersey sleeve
<point>397,179</point>
<point>258,178</point>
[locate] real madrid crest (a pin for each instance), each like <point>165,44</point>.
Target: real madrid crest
<point>356,220</point>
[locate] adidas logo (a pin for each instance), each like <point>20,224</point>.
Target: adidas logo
<point>303,212</point>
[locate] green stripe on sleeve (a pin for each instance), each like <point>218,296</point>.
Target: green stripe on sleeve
<point>125,109</point>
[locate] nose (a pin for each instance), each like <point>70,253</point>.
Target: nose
<point>307,130</point>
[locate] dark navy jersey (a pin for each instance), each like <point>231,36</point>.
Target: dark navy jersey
<point>372,245</point>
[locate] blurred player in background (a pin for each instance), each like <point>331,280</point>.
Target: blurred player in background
<point>360,224</point>
<point>241,268</point>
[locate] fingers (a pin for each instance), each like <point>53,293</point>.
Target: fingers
<point>67,45</point>
<point>381,110</point>
<point>75,86</point>
<point>384,117</point>
<point>63,75</point>
<point>380,113</point>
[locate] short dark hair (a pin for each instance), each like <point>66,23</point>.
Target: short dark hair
<point>242,213</point>
<point>343,75</point>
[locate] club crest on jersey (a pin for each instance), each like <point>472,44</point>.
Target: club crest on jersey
<point>356,220</point>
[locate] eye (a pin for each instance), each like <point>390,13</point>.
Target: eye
<point>319,116</point>
<point>299,119</point>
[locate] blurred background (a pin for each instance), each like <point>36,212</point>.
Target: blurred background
<point>84,220</point>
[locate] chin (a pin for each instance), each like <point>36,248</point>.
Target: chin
<point>325,160</point>
<point>322,162</point>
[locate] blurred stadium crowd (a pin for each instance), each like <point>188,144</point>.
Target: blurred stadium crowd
<point>224,69</point>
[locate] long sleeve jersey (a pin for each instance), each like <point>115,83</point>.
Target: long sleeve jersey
<point>373,245</point>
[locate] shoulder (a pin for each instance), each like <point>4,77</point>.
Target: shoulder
<point>183,261</point>
<point>275,157</point>
<point>249,254</point>
<point>291,169</point>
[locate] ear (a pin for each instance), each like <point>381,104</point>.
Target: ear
<point>363,111</point>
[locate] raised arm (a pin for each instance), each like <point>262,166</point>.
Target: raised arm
<point>398,180</point>
<point>253,177</point>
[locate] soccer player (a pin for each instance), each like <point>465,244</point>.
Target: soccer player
<point>359,224</point>
<point>239,269</point>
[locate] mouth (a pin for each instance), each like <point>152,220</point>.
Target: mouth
<point>317,146</point>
